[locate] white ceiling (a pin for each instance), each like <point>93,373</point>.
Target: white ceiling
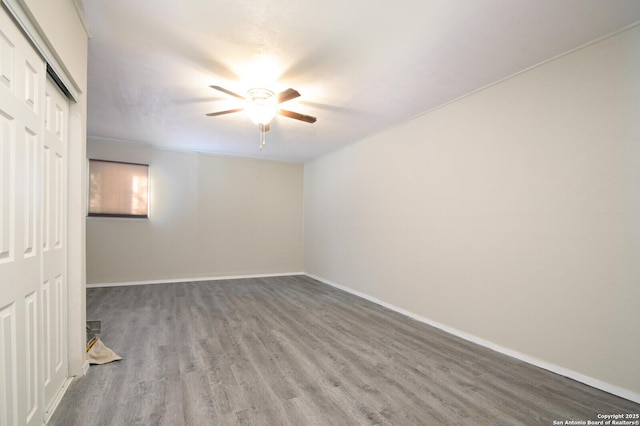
<point>360,65</point>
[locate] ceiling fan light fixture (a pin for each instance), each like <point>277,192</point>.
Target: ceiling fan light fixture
<point>262,106</point>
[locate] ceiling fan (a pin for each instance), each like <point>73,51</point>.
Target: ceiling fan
<point>262,105</point>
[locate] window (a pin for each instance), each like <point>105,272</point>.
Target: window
<point>118,189</point>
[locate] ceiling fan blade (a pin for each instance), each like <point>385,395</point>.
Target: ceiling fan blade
<point>229,111</point>
<point>287,95</point>
<point>228,92</point>
<point>297,116</point>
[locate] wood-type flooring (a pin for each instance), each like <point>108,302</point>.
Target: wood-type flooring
<point>293,351</point>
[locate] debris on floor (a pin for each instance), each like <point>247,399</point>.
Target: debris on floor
<point>98,353</point>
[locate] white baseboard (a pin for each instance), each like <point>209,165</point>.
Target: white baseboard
<point>184,280</point>
<point>599,384</point>
<point>63,389</point>
<point>56,400</point>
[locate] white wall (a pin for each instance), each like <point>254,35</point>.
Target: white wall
<point>210,216</point>
<point>512,215</point>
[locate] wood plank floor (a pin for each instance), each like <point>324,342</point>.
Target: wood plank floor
<point>293,351</point>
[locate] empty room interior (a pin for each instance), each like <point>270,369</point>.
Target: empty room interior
<point>320,213</point>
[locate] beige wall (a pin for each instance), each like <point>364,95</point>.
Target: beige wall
<point>512,215</point>
<point>209,216</point>
<point>63,26</point>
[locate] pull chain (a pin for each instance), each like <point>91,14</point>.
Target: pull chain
<point>263,140</point>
